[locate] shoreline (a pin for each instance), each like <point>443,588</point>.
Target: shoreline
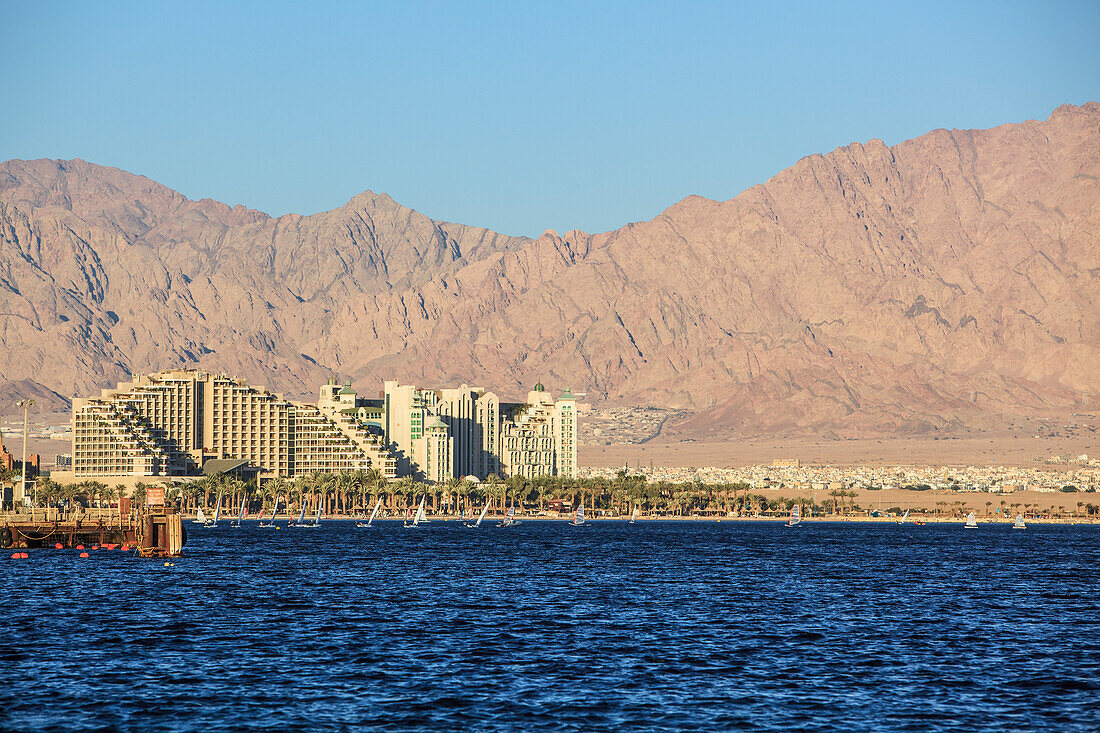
<point>714,520</point>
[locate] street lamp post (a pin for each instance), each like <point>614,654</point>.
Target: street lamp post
<point>26,405</point>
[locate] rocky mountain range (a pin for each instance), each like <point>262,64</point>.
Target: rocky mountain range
<point>947,283</point>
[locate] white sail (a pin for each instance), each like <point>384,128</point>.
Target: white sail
<point>484,511</point>
<point>634,515</point>
<point>1019,523</point>
<point>274,513</point>
<point>240,514</point>
<point>217,512</point>
<point>905,516</point>
<point>509,516</point>
<point>796,515</point>
<point>317,517</point>
<point>579,518</point>
<point>420,515</point>
<point>302,513</point>
<point>375,512</point>
<point>971,521</point>
<point>200,517</point>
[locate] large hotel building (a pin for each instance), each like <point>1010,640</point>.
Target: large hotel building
<point>172,423</point>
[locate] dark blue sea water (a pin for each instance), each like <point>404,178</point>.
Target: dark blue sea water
<point>652,626</point>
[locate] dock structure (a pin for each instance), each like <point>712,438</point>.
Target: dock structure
<point>154,532</point>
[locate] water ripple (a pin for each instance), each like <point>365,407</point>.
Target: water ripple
<point>650,626</point>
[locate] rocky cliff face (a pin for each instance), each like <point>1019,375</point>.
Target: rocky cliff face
<point>944,283</point>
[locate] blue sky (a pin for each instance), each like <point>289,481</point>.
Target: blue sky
<point>516,116</point>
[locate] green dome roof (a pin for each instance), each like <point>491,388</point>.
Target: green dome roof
<point>539,387</point>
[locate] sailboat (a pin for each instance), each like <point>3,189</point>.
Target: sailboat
<point>316,519</point>
<point>419,517</point>
<point>971,521</point>
<point>240,515</point>
<point>634,515</point>
<point>274,514</point>
<point>372,514</point>
<point>301,515</point>
<point>904,517</point>
<point>578,518</point>
<point>796,516</point>
<point>484,511</point>
<point>1019,523</point>
<point>217,513</point>
<point>200,518</point>
<point>509,518</point>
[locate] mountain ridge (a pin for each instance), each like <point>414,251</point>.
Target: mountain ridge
<point>863,291</point>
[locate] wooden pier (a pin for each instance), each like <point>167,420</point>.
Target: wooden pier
<point>154,532</point>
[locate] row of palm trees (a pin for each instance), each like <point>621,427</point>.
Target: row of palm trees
<point>355,492</point>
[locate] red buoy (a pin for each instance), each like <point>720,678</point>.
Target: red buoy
<point>95,547</point>
<point>84,554</point>
<point>80,547</point>
<point>58,546</point>
<point>24,555</point>
<point>15,556</point>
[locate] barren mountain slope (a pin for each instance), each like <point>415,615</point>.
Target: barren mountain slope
<point>103,273</point>
<point>947,281</point>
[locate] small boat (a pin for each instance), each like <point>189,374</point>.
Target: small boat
<point>217,513</point>
<point>240,515</point>
<point>509,518</point>
<point>578,518</point>
<point>1019,523</point>
<point>634,515</point>
<point>417,520</point>
<point>372,515</point>
<point>316,519</point>
<point>796,516</point>
<point>480,517</point>
<point>301,516</point>
<point>274,514</point>
<point>200,518</point>
<point>971,521</point>
<point>904,517</point>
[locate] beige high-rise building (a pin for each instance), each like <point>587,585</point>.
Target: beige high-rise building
<point>434,451</point>
<point>539,437</point>
<point>250,423</point>
<point>156,411</point>
<point>406,411</point>
<point>114,441</point>
<point>171,422</point>
<point>472,417</point>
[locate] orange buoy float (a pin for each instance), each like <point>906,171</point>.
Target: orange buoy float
<point>58,546</point>
<point>24,555</point>
<point>15,556</point>
<point>84,554</point>
<point>80,547</point>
